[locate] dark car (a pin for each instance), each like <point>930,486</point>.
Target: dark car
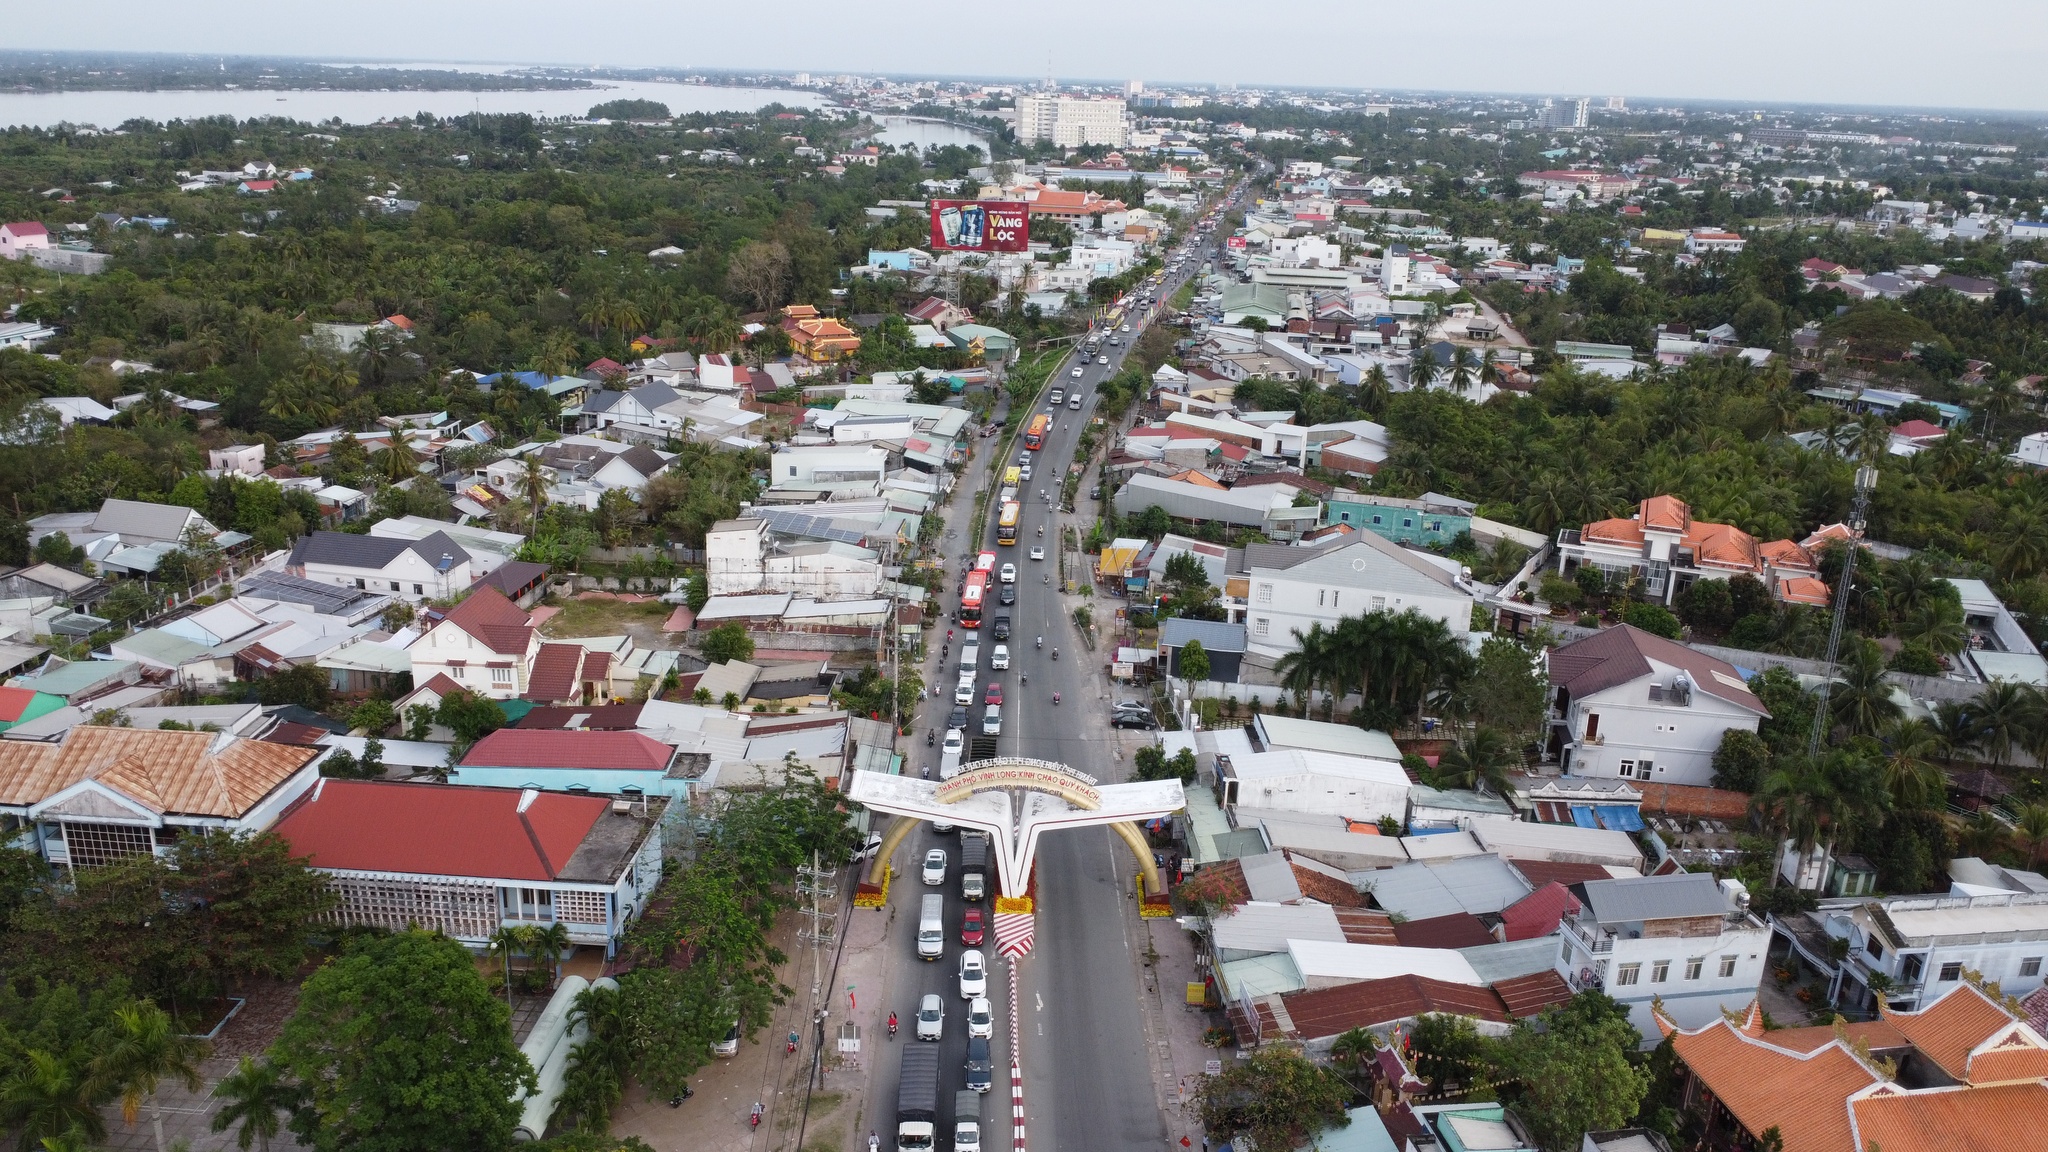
<point>1132,720</point>
<point>1008,595</point>
<point>981,1070</point>
<point>957,718</point>
<point>1002,627</point>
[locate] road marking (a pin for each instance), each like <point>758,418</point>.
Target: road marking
<point>1040,999</point>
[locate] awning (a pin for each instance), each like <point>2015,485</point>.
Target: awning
<point>1613,817</point>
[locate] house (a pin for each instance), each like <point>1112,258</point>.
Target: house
<point>610,763</point>
<point>487,549</point>
<point>1664,550</point>
<point>1270,508</point>
<point>104,794</point>
<point>523,582</point>
<point>940,314</point>
<point>17,239</point>
<point>1962,1074</point>
<point>133,522</point>
<point>1432,519</point>
<point>1918,947</point>
<point>486,645</point>
<point>1327,783</point>
<point>1224,644</point>
<point>1701,241</point>
<point>1683,940</point>
<point>1281,590</point>
<point>817,338</point>
<point>467,862</point>
<point>1637,706</point>
<point>432,567</point>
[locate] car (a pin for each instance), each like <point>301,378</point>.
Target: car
<point>981,1018</point>
<point>1008,595</point>
<point>1058,394</point>
<point>1104,359</point>
<point>1077,367</point>
<point>956,739</point>
<point>981,1070</point>
<point>1024,472</point>
<point>1001,659</point>
<point>1009,571</point>
<point>1130,706</point>
<point>994,694</point>
<point>1074,403</point>
<point>970,927</point>
<point>1037,553</point>
<point>1142,720</point>
<point>1095,493</point>
<point>867,849</point>
<point>957,719</point>
<point>729,1047</point>
<point>931,1017</point>
<point>973,974</point>
<point>963,693</point>
<point>935,867</point>
<point>992,720</point>
<point>1002,631</point>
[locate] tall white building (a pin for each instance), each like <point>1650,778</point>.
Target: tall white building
<point>1134,87</point>
<point>1072,122</point>
<point>1565,113</point>
<point>1617,103</point>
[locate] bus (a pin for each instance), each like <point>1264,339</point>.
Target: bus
<point>1012,476</point>
<point>978,582</point>
<point>1034,436</point>
<point>1006,527</point>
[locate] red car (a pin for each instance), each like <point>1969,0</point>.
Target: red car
<point>995,693</point>
<point>970,928</point>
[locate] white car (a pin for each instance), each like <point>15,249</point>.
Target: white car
<point>1125,328</point>
<point>1009,573</point>
<point>956,738</point>
<point>1001,659</point>
<point>1077,367</point>
<point>1036,554</point>
<point>1024,472</point>
<point>935,867</point>
<point>973,974</point>
<point>964,692</point>
<point>981,1018</point>
<point>931,1018</point>
<point>1102,360</point>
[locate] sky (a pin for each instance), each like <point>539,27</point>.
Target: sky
<point>1985,54</point>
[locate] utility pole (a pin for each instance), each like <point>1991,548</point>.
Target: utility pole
<point>815,884</point>
<point>1866,479</point>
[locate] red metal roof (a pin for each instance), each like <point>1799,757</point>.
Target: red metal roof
<point>569,748</point>
<point>1457,930</point>
<point>1536,915</point>
<point>438,829</point>
<point>13,702</point>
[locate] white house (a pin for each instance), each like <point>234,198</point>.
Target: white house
<point>1922,945</point>
<point>486,645</point>
<point>741,557</point>
<point>1325,783</point>
<point>1684,940</point>
<point>488,550</point>
<point>431,567</point>
<point>2032,451</point>
<point>809,465</point>
<point>1641,707</point>
<point>1282,589</point>
<point>18,238</point>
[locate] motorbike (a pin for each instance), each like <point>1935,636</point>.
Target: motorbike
<point>1023,678</point>
<point>892,1025</point>
<point>756,1119</point>
<point>676,1101</point>
<point>1055,697</point>
<point>1055,653</point>
<point>792,1041</point>
<point>1041,641</point>
<point>931,738</point>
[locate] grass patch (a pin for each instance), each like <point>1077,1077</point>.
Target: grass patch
<point>601,617</point>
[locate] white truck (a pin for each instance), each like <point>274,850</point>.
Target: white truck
<point>931,927</point>
<point>967,1121</point>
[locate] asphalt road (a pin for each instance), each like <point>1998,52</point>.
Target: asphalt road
<point>1089,1080</point>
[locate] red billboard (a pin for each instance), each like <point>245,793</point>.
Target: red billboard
<point>980,225</point>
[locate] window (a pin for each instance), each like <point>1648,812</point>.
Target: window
<point>1265,593</point>
<point>1377,519</point>
<point>1320,593</point>
<point>1436,525</point>
<point>1407,521</point>
<point>1910,968</point>
<point>1628,974</point>
<point>419,590</point>
<point>1875,949</point>
<point>1379,603</point>
<point>1692,967</point>
<point>1727,967</point>
<point>394,586</point>
<point>1628,769</point>
<point>361,584</point>
<point>458,671</point>
<point>1951,971</point>
<point>1344,517</point>
<point>1333,597</point>
<point>1643,768</point>
<point>1259,626</point>
<point>2031,966</point>
<point>1660,971</point>
<point>501,676</point>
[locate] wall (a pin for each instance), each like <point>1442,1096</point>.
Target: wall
<point>1690,1002</point>
<point>1401,525</point>
<point>604,781</point>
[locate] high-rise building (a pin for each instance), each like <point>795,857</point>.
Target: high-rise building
<point>1617,103</point>
<point>1072,122</point>
<point>1134,87</point>
<point>803,79</point>
<point>1565,113</point>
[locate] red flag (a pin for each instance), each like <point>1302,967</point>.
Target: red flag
<point>855,1004</point>
<point>1185,1143</point>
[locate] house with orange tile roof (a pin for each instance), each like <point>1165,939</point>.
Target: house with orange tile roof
<point>1059,204</point>
<point>1663,549</point>
<point>817,338</point>
<point>1961,1075</point>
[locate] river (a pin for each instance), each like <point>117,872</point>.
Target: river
<point>898,131</point>
<point>109,109</point>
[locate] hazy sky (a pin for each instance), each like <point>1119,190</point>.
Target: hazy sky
<point>1981,54</point>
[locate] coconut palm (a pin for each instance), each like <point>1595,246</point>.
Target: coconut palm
<point>2031,830</point>
<point>1374,393</point>
<point>2001,713</point>
<point>143,1048</point>
<point>256,1097</point>
<point>1937,624</point>
<point>551,941</point>
<point>1480,761</point>
<point>1862,702</point>
<point>1910,777</point>
<point>45,1094</point>
<point>1464,371</point>
<point>1956,730</point>
<point>396,461</point>
<point>1352,1051</point>
<point>534,481</point>
<point>1422,368</point>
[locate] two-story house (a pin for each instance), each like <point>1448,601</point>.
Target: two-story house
<point>1634,705</point>
<point>1917,948</point>
<point>486,645</point>
<point>431,567</point>
<point>1281,590</point>
<point>1662,550</point>
<point>1684,940</point>
<point>468,861</point>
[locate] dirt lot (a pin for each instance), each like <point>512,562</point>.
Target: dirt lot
<point>608,617</point>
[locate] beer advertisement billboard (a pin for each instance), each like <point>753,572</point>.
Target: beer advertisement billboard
<point>980,225</point>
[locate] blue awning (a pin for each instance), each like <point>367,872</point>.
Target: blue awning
<point>1620,817</point>
<point>1582,815</point>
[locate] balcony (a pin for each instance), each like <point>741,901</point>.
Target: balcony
<point>1590,940</point>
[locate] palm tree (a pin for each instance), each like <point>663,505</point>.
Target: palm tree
<point>2001,398</point>
<point>1301,670</point>
<point>1422,368</point>
<point>1862,702</point>
<point>1873,437</point>
<point>551,942</point>
<point>1464,372</point>
<point>1910,777</point>
<point>1480,761</point>
<point>1956,730</point>
<point>2032,830</point>
<point>1937,624</point>
<point>1374,393</point>
<point>534,480</point>
<point>1352,1050</point>
<point>396,461</point>
<point>1549,502</point>
<point>1910,584</point>
<point>143,1049</point>
<point>508,942</point>
<point>2001,713</point>
<point>48,1095</point>
<point>556,355</point>
<point>255,1096</point>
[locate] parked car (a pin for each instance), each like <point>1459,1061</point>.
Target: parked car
<point>981,1018</point>
<point>729,1047</point>
<point>970,927</point>
<point>973,974</point>
<point>931,1017</point>
<point>1141,720</point>
<point>935,867</point>
<point>956,738</point>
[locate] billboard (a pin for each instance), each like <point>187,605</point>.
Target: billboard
<point>980,225</point>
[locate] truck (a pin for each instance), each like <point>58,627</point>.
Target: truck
<point>931,927</point>
<point>970,658</point>
<point>973,866</point>
<point>917,1099</point>
<point>966,1122</point>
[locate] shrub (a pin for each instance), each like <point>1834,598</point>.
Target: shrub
<point>1558,591</point>
<point>1651,618</point>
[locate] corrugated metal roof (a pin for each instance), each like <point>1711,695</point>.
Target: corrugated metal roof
<point>1655,898</point>
<point>568,748</point>
<point>430,829</point>
<point>1214,636</point>
<point>1325,961</point>
<point>1265,926</point>
<point>1269,877</point>
<point>1475,884</point>
<point>1496,962</point>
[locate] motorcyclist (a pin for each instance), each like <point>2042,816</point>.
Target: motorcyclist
<point>1041,641</point>
<point>1055,653</point>
<point>1055,697</point>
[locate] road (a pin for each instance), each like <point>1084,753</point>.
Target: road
<point>1089,1082</point>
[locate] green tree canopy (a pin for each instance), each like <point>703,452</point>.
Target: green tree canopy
<point>1277,1098</point>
